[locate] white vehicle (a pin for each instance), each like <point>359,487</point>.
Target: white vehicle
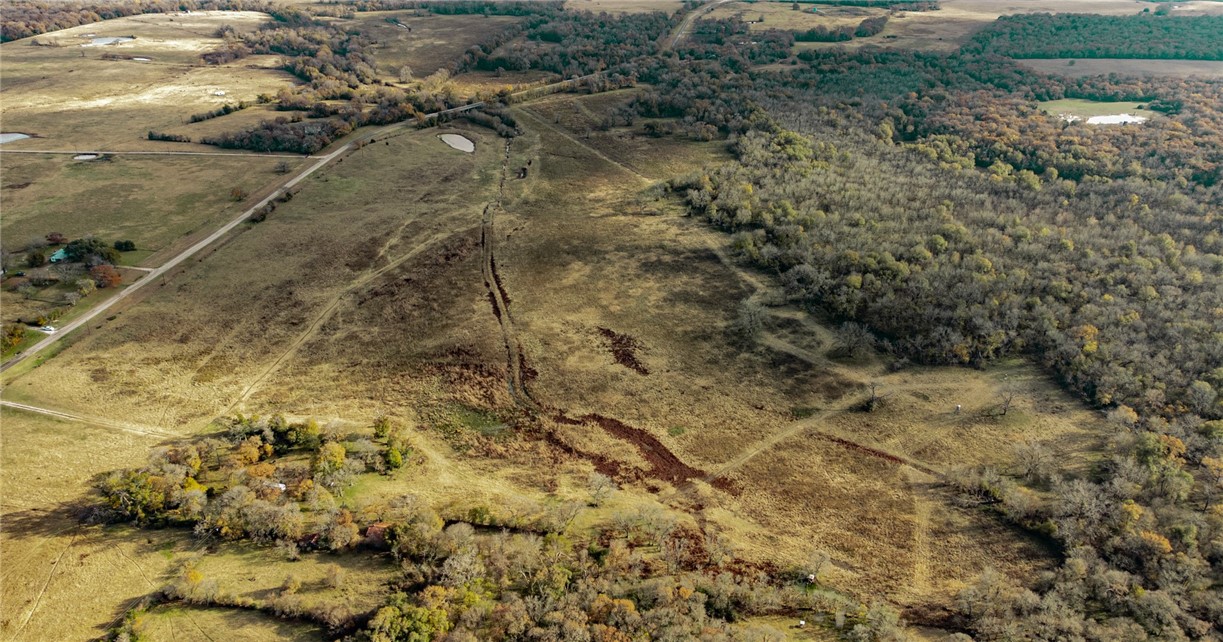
<point>48,329</point>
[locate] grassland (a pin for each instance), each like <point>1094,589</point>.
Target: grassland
<point>395,318</point>
<point>943,30</point>
<point>141,198</point>
<point>781,15</point>
<point>116,102</point>
<point>1080,108</point>
<point>1151,68</point>
<point>425,43</point>
<point>624,6</point>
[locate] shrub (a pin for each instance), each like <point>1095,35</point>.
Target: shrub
<point>125,246</point>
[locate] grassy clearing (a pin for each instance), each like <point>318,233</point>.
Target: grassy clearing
<point>1087,108</point>
<point>141,198</point>
<point>1103,66</point>
<point>426,43</point>
<point>70,98</point>
<point>193,624</point>
<point>781,15</point>
<point>624,6</point>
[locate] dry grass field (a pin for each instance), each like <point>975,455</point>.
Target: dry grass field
<point>625,6</point>
<point>441,289</point>
<point>61,580</point>
<point>70,98</point>
<point>781,15</point>
<point>425,43</point>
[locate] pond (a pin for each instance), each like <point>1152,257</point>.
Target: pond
<point>108,40</point>
<point>458,142</point>
<point>12,136</point>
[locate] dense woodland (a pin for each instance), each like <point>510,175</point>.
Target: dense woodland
<point>1080,35</point>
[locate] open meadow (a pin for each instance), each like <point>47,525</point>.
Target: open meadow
<point>654,355</point>
<point>70,94</point>
<point>613,308</point>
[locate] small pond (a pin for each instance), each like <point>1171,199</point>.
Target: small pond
<point>108,40</point>
<point>12,136</point>
<point>458,142</point>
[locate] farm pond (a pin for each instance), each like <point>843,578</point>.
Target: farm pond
<point>461,143</point>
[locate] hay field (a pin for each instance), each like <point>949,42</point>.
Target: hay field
<point>69,98</point>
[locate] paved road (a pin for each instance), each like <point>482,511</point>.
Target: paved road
<point>320,162</point>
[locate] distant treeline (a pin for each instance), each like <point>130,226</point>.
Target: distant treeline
<point>469,7</point>
<point>906,5</point>
<point>218,112</point>
<point>25,18</point>
<point>1080,35</point>
<point>173,138</point>
<point>865,29</point>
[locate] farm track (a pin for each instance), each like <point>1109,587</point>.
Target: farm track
<point>332,305</point>
<point>498,297</point>
<point>690,19</point>
<point>96,421</point>
<point>539,120</point>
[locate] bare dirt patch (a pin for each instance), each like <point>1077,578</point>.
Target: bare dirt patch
<point>624,349</point>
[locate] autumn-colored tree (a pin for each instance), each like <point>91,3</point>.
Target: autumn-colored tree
<point>106,276</point>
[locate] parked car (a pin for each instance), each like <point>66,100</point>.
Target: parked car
<point>48,329</point>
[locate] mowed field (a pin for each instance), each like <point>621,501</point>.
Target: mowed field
<point>70,98</point>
